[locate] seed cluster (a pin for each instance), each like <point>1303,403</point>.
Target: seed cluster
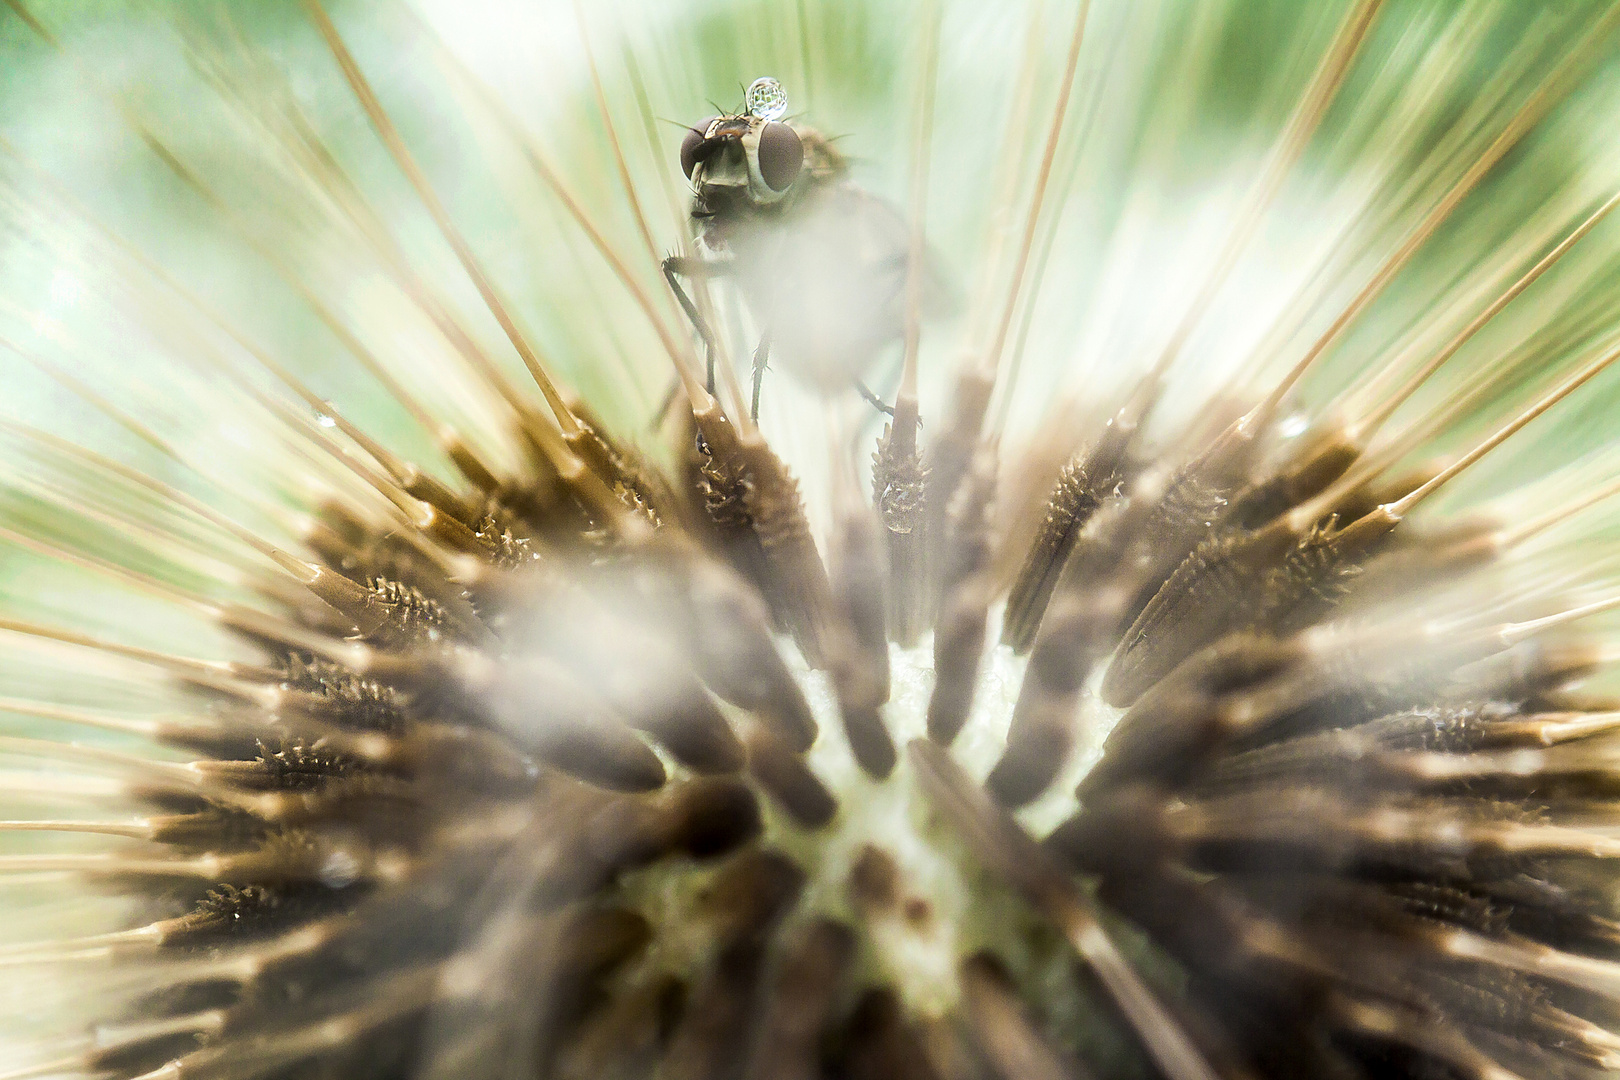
<point>533,784</point>
<point>594,767</point>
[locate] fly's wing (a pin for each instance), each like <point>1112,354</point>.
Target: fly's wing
<point>829,281</point>
<point>887,240</point>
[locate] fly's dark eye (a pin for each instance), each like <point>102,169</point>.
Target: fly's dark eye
<point>692,147</point>
<point>780,155</point>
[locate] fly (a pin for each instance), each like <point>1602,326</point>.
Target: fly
<point>820,262</point>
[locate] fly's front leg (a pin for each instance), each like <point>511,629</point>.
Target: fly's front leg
<point>872,399</point>
<point>695,268</point>
<point>762,356</point>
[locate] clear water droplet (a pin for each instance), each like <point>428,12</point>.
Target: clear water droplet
<point>766,99</point>
<point>324,420</point>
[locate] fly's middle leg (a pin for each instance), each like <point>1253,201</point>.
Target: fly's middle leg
<point>762,356</point>
<point>872,399</point>
<point>677,266</point>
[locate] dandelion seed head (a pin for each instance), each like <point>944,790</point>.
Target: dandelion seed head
<point>412,669</point>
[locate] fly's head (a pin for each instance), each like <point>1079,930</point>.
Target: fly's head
<point>750,160</point>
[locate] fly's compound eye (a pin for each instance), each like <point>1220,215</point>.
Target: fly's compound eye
<point>780,155</point>
<point>693,149</point>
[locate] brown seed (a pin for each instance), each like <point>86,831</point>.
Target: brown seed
<point>950,456</point>
<point>710,817</point>
<point>1042,731</point>
<point>1081,487</point>
<point>965,590</point>
<point>958,643</point>
<point>899,485</point>
<point>858,650</point>
<point>1170,730</point>
<point>541,705</point>
<point>880,1044</point>
<point>687,724</point>
<point>726,633</point>
<point>1191,608</point>
<point>623,1039</point>
<point>874,881</point>
<point>799,1004</point>
<point>1121,834</point>
<point>1002,1030</point>
<point>1321,460</point>
<point>788,780</point>
<point>748,898</point>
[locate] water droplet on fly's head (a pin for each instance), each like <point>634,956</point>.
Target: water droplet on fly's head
<point>766,99</point>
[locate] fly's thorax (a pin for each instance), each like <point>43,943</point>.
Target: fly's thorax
<point>822,159</point>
